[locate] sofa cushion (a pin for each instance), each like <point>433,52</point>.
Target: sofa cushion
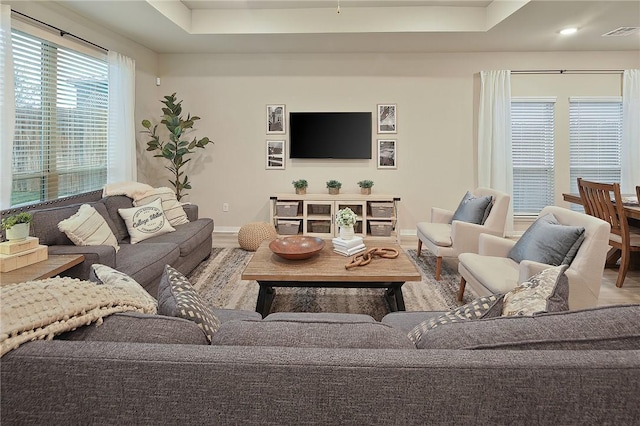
<point>438,233</point>
<point>87,227</point>
<point>405,321</point>
<point>311,334</point>
<point>607,328</point>
<point>170,205</point>
<point>134,327</point>
<point>177,298</point>
<point>473,209</point>
<point>318,317</point>
<point>146,264</point>
<point>547,241</point>
<point>501,272</point>
<point>113,204</point>
<point>188,236</point>
<point>225,315</point>
<point>146,221</point>
<point>547,291</point>
<point>482,307</point>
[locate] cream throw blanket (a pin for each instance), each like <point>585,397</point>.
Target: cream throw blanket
<point>131,189</point>
<point>41,309</point>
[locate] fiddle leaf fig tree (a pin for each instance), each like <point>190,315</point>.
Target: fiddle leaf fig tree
<point>177,148</point>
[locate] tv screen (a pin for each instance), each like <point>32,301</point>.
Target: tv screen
<point>330,135</point>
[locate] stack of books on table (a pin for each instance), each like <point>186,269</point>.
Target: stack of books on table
<point>15,254</point>
<point>348,247</point>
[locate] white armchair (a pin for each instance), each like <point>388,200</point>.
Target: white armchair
<point>445,239</point>
<point>490,271</point>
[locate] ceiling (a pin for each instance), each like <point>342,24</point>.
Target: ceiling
<point>315,26</point>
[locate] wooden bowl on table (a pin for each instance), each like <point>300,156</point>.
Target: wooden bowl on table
<point>296,247</point>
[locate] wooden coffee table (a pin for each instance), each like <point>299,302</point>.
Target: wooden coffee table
<point>326,269</point>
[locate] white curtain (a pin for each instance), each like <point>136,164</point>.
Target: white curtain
<point>121,161</point>
<point>630,149</point>
<point>7,107</point>
<point>495,168</point>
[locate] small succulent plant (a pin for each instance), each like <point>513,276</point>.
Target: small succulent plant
<point>334,184</point>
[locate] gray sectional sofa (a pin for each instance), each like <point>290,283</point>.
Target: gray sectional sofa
<point>183,249</point>
<point>570,368</point>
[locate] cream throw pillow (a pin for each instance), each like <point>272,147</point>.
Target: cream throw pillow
<point>88,228</point>
<point>146,221</point>
<point>172,208</point>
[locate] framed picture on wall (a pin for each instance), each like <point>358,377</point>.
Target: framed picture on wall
<point>387,154</point>
<point>387,118</point>
<point>276,119</point>
<point>275,155</point>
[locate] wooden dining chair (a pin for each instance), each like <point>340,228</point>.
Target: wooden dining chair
<point>603,200</point>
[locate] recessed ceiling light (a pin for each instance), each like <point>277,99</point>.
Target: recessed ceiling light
<point>568,31</point>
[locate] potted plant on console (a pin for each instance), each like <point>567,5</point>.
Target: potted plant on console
<point>365,186</point>
<point>301,186</point>
<point>334,187</point>
<point>345,219</point>
<point>17,226</point>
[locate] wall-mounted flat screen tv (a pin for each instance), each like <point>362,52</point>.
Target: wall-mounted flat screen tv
<point>330,135</point>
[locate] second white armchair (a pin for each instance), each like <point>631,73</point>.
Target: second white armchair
<point>446,238</point>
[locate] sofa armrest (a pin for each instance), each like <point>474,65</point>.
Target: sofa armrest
<point>465,236</point>
<point>439,215</point>
<point>528,268</point>
<point>105,255</point>
<point>491,245</point>
<point>192,211</point>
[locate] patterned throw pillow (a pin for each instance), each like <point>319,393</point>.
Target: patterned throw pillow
<point>87,227</point>
<point>146,221</point>
<point>547,291</point>
<point>483,307</point>
<point>170,205</point>
<point>102,274</point>
<point>177,298</point>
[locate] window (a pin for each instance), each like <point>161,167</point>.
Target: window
<point>61,107</point>
<point>595,137</point>
<point>532,144</point>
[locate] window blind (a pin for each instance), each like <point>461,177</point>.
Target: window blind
<point>532,144</point>
<point>60,142</point>
<point>595,137</point>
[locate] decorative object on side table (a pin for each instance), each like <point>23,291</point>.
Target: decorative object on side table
<point>16,226</point>
<point>345,219</point>
<point>296,247</point>
<point>301,186</point>
<point>334,187</point>
<point>365,186</point>
<point>175,149</point>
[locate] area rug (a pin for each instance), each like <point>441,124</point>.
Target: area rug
<point>218,282</point>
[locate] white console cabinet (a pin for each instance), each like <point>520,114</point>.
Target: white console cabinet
<point>314,214</point>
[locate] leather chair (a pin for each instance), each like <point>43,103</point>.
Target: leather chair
<point>445,239</point>
<point>604,201</point>
<point>492,272</point>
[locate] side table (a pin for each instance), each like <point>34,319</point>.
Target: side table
<point>55,264</point>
